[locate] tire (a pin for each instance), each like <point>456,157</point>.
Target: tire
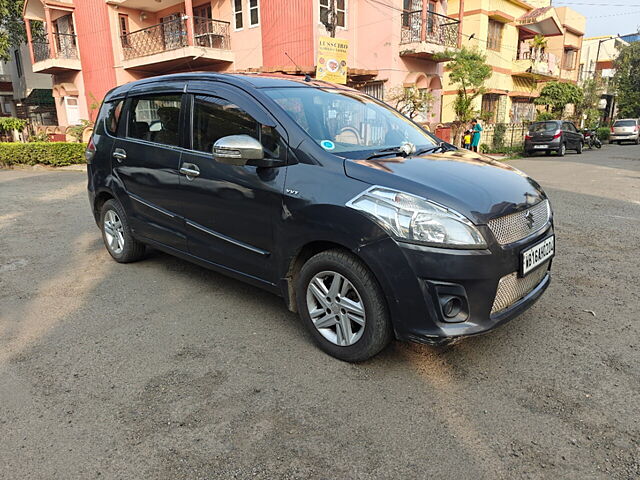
<point>548,153</point>
<point>371,333</point>
<point>637,142</point>
<point>598,145</point>
<point>116,234</point>
<point>579,149</point>
<point>562,150</point>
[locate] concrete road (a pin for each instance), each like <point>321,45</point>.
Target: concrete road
<point>163,370</point>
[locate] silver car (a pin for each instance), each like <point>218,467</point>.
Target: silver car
<point>625,130</point>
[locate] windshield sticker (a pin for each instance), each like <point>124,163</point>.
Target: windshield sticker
<point>327,144</point>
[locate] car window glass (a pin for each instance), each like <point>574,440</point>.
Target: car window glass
<point>114,110</point>
<point>155,119</point>
<point>625,123</point>
<point>543,127</point>
<point>214,118</point>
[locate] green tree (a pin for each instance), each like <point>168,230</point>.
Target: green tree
<point>556,95</point>
<point>627,81</point>
<point>11,26</point>
<point>468,71</point>
<point>588,108</point>
<point>410,101</point>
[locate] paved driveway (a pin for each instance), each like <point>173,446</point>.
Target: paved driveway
<point>164,370</point>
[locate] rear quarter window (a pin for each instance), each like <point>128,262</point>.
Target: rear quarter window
<point>110,116</point>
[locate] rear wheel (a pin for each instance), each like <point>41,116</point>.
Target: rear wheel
<point>579,149</point>
<point>342,305</point>
<point>562,150</point>
<point>116,234</point>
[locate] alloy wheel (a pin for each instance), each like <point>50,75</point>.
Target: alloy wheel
<point>113,232</point>
<point>336,308</point>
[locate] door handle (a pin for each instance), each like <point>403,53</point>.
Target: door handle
<point>190,170</point>
<point>119,154</point>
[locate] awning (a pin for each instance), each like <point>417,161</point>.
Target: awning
<point>423,80</point>
<point>540,21</point>
<point>64,90</point>
<point>40,96</point>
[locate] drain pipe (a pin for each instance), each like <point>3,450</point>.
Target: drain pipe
<point>460,18</point>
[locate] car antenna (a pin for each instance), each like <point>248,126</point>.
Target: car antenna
<point>307,78</point>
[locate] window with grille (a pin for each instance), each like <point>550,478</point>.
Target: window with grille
<point>375,89</point>
<point>340,8</point>
<point>490,104</point>
<point>124,29</point>
<point>569,59</point>
<point>237,14</point>
<point>495,35</point>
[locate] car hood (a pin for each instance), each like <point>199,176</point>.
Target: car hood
<point>472,184</point>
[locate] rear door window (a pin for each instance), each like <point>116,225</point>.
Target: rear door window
<point>156,119</point>
<point>625,123</point>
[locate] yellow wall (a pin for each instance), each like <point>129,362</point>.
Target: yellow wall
<point>476,22</point>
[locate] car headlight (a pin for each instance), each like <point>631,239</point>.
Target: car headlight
<point>414,219</point>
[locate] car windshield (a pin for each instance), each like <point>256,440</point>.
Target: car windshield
<point>543,127</point>
<point>625,123</point>
<point>346,122</point>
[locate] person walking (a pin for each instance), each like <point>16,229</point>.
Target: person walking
<point>477,128</point>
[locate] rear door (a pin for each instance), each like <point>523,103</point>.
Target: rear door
<point>571,134</point>
<point>230,210</point>
<point>147,159</point>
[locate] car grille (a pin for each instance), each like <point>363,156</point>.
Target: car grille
<point>516,226</point>
<point>512,288</point>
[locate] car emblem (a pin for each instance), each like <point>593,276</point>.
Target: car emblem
<point>529,219</point>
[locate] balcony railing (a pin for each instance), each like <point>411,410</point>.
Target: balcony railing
<point>433,28</point>
<point>211,33</point>
<point>66,46</point>
<point>172,35</point>
<point>534,55</point>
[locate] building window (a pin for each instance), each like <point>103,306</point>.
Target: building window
<point>490,104</point>
<point>495,35</point>
<point>123,21</point>
<point>203,12</point>
<point>19,70</point>
<point>340,9</point>
<point>254,14</point>
<point>569,59</point>
<point>375,89</point>
<point>237,13</point>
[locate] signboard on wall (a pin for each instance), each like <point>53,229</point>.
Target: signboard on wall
<point>332,60</point>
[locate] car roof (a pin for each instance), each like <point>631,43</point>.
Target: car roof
<point>247,80</point>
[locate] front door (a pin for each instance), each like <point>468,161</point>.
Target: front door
<point>146,160</point>
<point>72,110</point>
<point>229,210</point>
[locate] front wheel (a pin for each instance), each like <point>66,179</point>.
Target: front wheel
<point>598,144</point>
<point>343,307</point>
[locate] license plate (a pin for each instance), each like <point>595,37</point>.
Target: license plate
<point>537,255</point>
<point>540,146</point>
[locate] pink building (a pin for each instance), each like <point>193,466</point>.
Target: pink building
<point>90,46</point>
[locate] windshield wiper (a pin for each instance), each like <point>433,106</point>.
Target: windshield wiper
<point>442,146</point>
<point>405,150</point>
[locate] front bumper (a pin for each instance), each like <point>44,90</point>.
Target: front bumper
<point>416,278</point>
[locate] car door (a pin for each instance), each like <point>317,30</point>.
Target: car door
<point>146,160</point>
<point>229,210</point>
<point>568,136</point>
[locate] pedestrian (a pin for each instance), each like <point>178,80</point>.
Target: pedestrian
<point>467,139</point>
<point>477,128</point>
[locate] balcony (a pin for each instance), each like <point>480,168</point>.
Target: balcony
<point>166,45</point>
<point>427,35</point>
<point>63,57</point>
<point>537,65</point>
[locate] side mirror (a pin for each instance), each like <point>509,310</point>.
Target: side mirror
<point>237,150</point>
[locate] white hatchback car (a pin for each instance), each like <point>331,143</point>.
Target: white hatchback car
<point>625,130</point>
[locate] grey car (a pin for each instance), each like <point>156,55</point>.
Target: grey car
<point>553,136</point>
<point>625,130</point>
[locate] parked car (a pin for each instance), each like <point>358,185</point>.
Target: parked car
<point>553,136</point>
<point>368,226</point>
<point>625,130</point>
